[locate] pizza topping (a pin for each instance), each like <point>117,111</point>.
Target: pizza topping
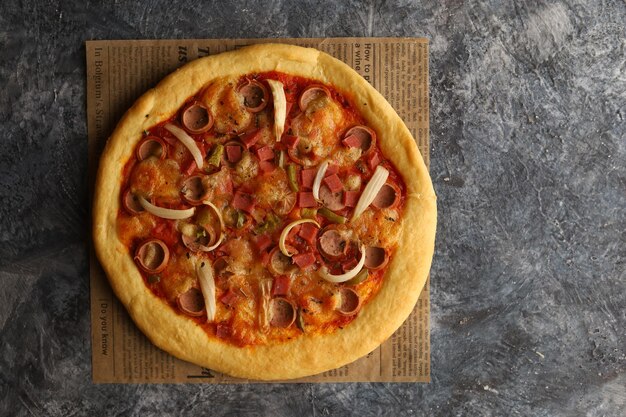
<point>346,276</point>
<point>217,154</point>
<point>243,201</point>
<point>151,146</point>
<point>255,96</point>
<point>152,256</point>
<point>333,183</point>
<point>350,302</point>
<point>279,263</point>
<point>198,238</point>
<point>308,232</point>
<point>359,278</point>
<point>332,243</point>
<point>280,107</point>
<point>131,203</point>
<point>251,138</point>
<point>319,176</point>
<point>312,93</point>
<point>307,178</point>
<point>265,286</point>
<point>292,174</point>
<point>306,199</point>
<point>375,257</point>
<point>350,198</point>
<point>229,298</point>
<point>283,312</point>
<point>287,229</point>
<point>332,200</point>
<point>191,302</point>
<point>194,190</point>
<point>290,141</point>
<point>371,190</point>
<point>331,217</point>
<point>387,197</point>
<point>304,260</point>
<point>234,151</point>
<point>284,205</point>
<point>266,153</point>
<point>196,118</point>
<point>360,137</point>
<point>189,143</point>
<point>280,285</point>
<point>204,271</point>
<point>165,212</point>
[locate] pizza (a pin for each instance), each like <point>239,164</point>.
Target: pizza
<point>264,213</point>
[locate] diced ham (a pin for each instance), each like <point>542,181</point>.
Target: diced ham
<point>280,285</point>
<point>331,170</point>
<point>352,141</point>
<point>350,198</point>
<point>372,159</point>
<point>306,199</point>
<point>265,153</point>
<point>262,242</point>
<point>349,264</point>
<point>251,138</point>
<point>189,169</point>
<point>290,141</point>
<point>334,183</point>
<point>307,177</point>
<point>233,153</point>
<point>229,298</point>
<point>243,201</point>
<point>289,106</point>
<point>223,330</point>
<point>308,232</point>
<point>304,260</point>
<point>267,166</point>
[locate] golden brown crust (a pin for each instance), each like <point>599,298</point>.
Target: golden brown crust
<point>306,355</point>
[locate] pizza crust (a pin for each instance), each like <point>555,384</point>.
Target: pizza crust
<point>309,354</point>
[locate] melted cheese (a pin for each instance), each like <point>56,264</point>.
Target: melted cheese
<point>156,178</point>
<point>226,106</point>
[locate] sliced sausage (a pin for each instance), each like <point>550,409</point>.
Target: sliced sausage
<point>191,302</point>
<point>151,146</point>
<point>332,244</point>
<point>283,312</point>
<point>196,118</point>
<point>376,257</point>
<point>350,302</point>
<point>152,256</point>
<point>255,96</point>
<point>333,201</point>
<point>387,197</point>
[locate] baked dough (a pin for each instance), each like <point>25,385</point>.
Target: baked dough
<point>310,354</point>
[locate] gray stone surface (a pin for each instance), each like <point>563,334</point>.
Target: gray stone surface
<point>528,160</point>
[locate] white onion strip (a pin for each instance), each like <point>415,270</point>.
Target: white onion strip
<point>165,212</point>
<point>319,176</point>
<point>371,190</point>
<point>204,270</point>
<point>287,229</point>
<point>189,143</point>
<point>280,107</point>
<point>219,216</point>
<point>347,275</point>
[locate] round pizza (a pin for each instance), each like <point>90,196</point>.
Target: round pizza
<point>265,213</point>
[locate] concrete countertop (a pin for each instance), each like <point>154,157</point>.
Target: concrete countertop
<point>528,159</point>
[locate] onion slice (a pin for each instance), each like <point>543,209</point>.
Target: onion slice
<point>347,275</point>
<point>287,229</point>
<point>204,271</point>
<point>165,212</point>
<point>221,220</point>
<point>189,143</point>
<point>319,176</point>
<point>371,190</point>
<point>280,107</point>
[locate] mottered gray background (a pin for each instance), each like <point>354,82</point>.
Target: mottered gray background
<point>528,158</point>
